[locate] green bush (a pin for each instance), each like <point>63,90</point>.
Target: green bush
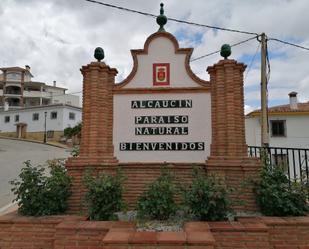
<point>158,201</point>
<point>67,132</point>
<point>38,194</point>
<point>104,195</point>
<point>207,198</point>
<point>73,131</point>
<point>277,196</point>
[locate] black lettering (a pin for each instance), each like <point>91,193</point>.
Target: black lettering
<point>177,103</point>
<point>162,146</point>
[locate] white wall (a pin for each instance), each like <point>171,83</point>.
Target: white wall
<point>161,50</point>
<point>68,99</point>
<point>68,122</point>
<point>297,132</point>
<point>25,116</point>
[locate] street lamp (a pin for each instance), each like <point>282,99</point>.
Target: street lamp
<point>45,114</point>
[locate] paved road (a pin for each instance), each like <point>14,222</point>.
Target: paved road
<point>12,155</point>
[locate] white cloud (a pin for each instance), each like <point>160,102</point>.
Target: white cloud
<point>57,37</point>
<point>248,109</point>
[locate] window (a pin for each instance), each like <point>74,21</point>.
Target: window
<point>35,116</point>
<point>72,116</point>
<point>53,115</point>
<point>50,134</point>
<point>278,128</point>
<point>7,119</point>
<point>16,118</point>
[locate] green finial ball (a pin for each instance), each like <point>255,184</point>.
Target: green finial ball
<point>99,53</point>
<point>161,19</point>
<point>226,51</point>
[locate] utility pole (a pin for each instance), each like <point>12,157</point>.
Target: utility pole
<point>264,107</point>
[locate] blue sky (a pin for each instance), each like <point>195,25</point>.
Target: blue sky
<point>57,37</point>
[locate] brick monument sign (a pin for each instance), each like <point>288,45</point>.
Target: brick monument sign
<point>162,114</point>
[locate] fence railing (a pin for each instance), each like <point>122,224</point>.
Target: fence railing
<point>294,160</point>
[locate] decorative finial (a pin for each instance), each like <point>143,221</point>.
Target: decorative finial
<point>99,54</point>
<point>161,19</point>
<point>226,51</point>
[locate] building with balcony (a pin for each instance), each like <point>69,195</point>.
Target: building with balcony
<point>17,90</point>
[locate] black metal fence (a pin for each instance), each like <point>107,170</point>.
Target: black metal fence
<point>294,160</point>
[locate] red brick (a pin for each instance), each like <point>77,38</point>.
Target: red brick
<point>143,238</point>
<point>171,238</point>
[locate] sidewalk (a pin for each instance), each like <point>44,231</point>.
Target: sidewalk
<point>51,143</point>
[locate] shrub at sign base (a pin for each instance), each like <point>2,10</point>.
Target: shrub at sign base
<point>104,195</point>
<point>158,202</point>
<point>207,198</point>
<point>38,194</point>
<point>277,196</point>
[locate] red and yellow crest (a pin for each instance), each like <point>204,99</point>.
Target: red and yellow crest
<point>161,74</point>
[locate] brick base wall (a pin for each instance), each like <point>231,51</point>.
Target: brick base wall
<point>237,174</point>
<point>137,177</point>
<point>75,232</point>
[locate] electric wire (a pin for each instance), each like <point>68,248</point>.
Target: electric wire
<point>288,43</point>
<point>252,61</point>
<point>193,23</point>
<point>215,52</point>
<point>171,19</point>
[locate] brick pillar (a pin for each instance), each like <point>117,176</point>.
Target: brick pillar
<point>228,155</point>
<point>96,148</point>
<point>97,130</point>
<point>227,103</point>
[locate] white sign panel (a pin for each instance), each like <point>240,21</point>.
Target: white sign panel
<point>174,127</point>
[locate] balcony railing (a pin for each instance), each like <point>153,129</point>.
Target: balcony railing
<point>294,160</point>
<point>12,93</point>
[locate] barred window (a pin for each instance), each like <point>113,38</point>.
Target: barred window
<point>53,115</point>
<point>35,116</point>
<point>72,116</point>
<point>278,128</point>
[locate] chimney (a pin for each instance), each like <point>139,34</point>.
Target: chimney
<point>293,100</point>
<point>27,67</point>
<point>54,83</point>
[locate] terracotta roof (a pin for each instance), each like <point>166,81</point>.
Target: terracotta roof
<point>301,108</point>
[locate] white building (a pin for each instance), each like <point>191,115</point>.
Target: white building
<point>288,136</point>
<point>288,125</point>
<point>29,122</point>
<point>17,90</point>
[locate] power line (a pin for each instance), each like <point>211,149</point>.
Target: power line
<point>215,52</point>
<point>251,63</point>
<point>193,23</point>
<point>171,19</point>
<point>213,27</point>
<point>288,43</point>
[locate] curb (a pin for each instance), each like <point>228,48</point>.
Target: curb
<point>36,141</point>
<point>8,208</point>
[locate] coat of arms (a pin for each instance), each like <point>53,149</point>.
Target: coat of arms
<point>161,74</point>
